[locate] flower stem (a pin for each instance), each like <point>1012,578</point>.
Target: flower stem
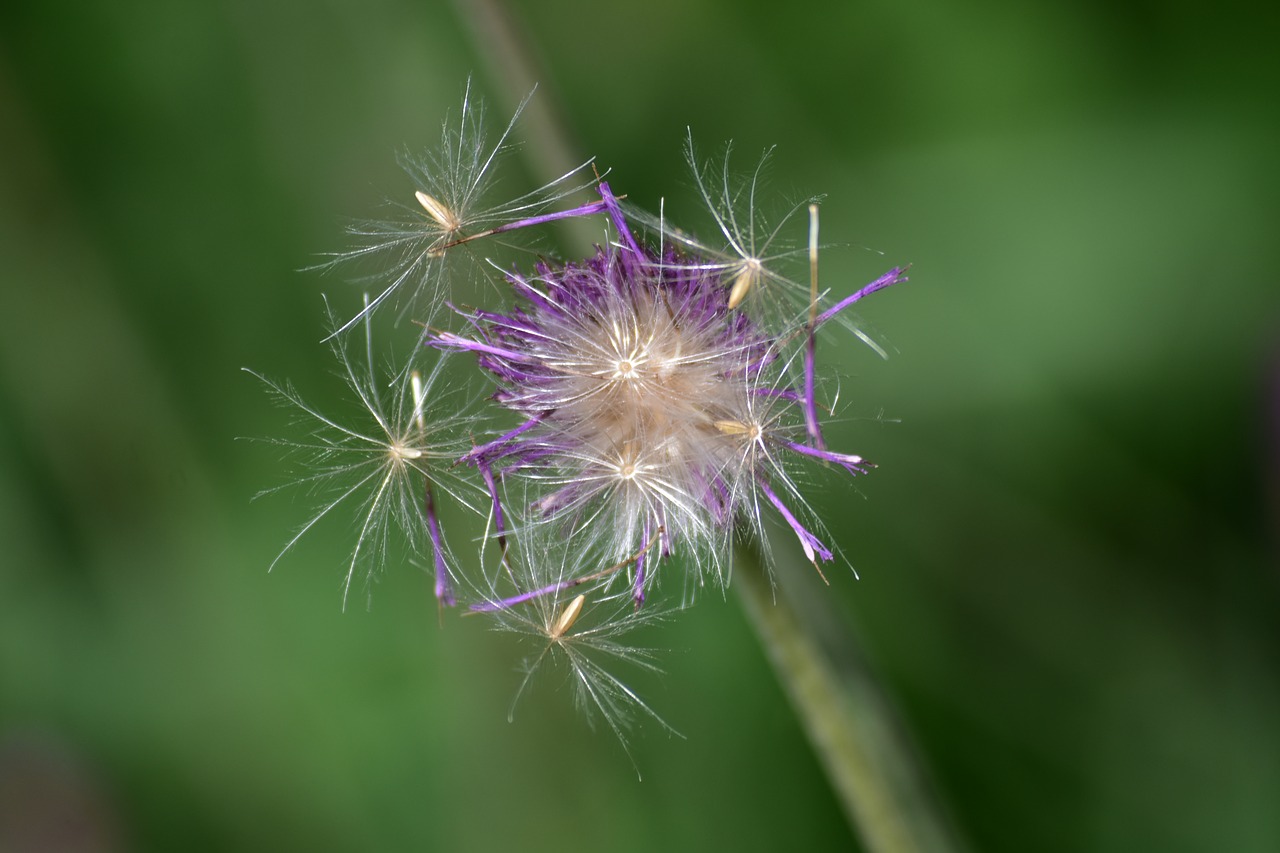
<point>847,718</point>
<point>496,33</point>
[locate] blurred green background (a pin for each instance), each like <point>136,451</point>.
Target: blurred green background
<point>1068,555</point>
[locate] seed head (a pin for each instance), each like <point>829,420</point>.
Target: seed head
<point>388,468</point>
<point>649,403</point>
<point>422,249</point>
<point>664,399</point>
<point>574,626</point>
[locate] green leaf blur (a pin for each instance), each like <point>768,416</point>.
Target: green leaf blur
<point>1068,555</point>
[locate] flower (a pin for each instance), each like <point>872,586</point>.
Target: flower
<point>665,401</point>
<point>653,410</point>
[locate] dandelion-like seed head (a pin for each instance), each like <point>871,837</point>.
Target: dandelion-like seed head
<point>649,402</point>
<point>387,468</point>
<point>631,366</point>
<point>423,248</point>
<point>756,256</point>
<point>573,626</point>
<point>665,395</point>
<point>754,250</point>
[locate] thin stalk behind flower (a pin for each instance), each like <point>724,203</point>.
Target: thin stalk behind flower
<point>850,723</point>
<point>550,149</point>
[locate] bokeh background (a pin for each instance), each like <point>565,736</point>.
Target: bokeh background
<point>1068,554</point>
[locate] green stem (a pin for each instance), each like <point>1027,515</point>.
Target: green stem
<point>847,718</point>
<point>551,151</point>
